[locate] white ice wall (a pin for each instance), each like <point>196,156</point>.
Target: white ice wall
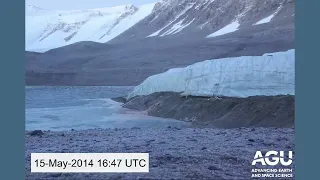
<point>270,74</point>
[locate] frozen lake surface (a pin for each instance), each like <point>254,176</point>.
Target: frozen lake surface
<point>65,108</point>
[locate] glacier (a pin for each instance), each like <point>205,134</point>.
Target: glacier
<point>270,74</point>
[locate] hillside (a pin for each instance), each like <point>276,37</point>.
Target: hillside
<point>174,34</point>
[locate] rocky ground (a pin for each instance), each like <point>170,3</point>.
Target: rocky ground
<point>187,153</point>
<point>221,112</point>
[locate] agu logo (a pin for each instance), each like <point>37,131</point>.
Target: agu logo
<point>272,158</point>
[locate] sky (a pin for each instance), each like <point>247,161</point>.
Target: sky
<point>83,4</point>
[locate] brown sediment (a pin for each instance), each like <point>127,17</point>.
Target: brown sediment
<point>221,112</point>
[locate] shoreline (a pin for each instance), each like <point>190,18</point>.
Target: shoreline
<point>199,151</point>
<point>175,153</point>
<point>217,112</point>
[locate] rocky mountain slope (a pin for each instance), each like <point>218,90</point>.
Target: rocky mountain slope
<point>176,33</point>
<point>204,18</point>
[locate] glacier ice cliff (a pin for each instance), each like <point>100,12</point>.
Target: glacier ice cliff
<point>269,74</point>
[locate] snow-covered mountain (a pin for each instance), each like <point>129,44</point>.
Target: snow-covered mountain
<point>168,34</point>
<point>48,29</point>
<point>212,18</point>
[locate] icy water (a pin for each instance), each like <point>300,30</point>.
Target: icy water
<point>65,108</point>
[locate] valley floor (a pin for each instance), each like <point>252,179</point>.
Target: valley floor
<point>175,153</point>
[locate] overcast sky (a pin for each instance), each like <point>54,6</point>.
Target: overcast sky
<point>83,4</point>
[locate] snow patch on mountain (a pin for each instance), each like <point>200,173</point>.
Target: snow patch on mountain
<point>48,29</point>
<point>265,20</point>
<point>269,74</point>
<point>225,30</point>
<point>158,32</point>
<point>268,19</point>
<point>177,27</point>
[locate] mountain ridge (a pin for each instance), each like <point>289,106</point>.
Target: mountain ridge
<point>131,56</point>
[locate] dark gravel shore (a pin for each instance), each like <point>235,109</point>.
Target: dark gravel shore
<point>186,153</point>
<point>221,112</point>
